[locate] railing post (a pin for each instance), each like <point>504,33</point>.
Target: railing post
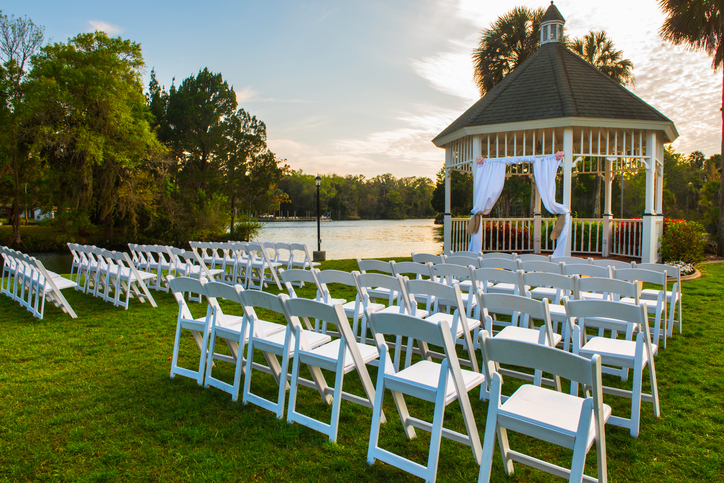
<point>607,229</point>
<point>447,216</point>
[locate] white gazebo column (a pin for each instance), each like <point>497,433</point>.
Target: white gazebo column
<point>607,215</point>
<point>537,217</point>
<point>567,176</point>
<point>447,221</point>
<point>649,247</point>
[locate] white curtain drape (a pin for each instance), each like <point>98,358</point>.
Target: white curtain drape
<point>489,182</point>
<point>544,171</point>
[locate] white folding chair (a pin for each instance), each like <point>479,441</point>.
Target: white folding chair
<point>522,328</point>
<point>552,416</point>
<point>619,353</point>
<point>500,256</point>
<point>426,258</point>
<point>403,303</point>
<point>300,257</point>
<point>341,356</point>
<point>262,269</point>
<point>655,306</point>
<point>199,326</point>
<point>607,262</point>
<point>381,267</point>
<point>439,383</point>
<point>123,277</point>
<point>452,274</point>
<point>587,270</point>
<point>353,309</point>
<point>552,287</point>
<point>533,257</point>
<point>229,327</point>
<point>673,297</point>
<point>414,271</point>
<point>437,295</point>
<point>571,260</point>
<point>272,345</point>
<point>462,260</point>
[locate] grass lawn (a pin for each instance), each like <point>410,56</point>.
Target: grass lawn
<point>90,399</point>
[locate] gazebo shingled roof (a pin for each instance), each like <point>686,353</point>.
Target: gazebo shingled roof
<point>554,83</point>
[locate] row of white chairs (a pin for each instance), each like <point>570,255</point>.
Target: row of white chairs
<point>109,274</point>
<point>415,376</point>
<point>666,319</point>
<point>28,282</point>
<point>249,263</point>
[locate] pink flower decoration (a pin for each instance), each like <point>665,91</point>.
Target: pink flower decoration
<point>480,160</point>
<point>560,155</point>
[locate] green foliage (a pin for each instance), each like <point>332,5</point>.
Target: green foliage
<point>67,417</point>
<point>247,229</point>
<point>683,241</point>
<point>354,197</point>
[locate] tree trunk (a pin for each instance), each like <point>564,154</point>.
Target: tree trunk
<point>597,197</point>
<point>720,228</point>
<point>109,227</point>
<point>16,200</point>
<point>233,212</point>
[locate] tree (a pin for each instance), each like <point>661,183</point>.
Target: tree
<point>19,39</point>
<point>598,50</point>
<point>699,24</point>
<point>513,37</point>
<point>88,102</point>
<point>245,140</point>
<point>505,45</point>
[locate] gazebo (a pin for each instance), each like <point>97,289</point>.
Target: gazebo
<point>557,102</point>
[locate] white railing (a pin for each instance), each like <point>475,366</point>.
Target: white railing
<point>499,234</point>
<point>517,235</point>
<point>627,237</point>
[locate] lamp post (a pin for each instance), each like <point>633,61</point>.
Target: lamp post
<point>319,255</point>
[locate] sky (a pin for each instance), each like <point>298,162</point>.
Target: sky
<point>363,86</point>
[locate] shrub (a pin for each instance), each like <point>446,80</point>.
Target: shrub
<point>683,240</point>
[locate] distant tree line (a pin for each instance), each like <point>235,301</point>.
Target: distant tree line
<point>354,197</point>
<point>79,137</point>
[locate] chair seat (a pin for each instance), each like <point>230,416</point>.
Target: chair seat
<point>523,334</point>
<point>649,294</point>
<point>330,352</point>
<point>381,293</point>
<point>557,312</point>
<point>541,293</point>
<point>502,288</point>
<point>651,305</point>
<point>350,306</point>
<point>552,410</point>
<point>439,316</point>
<point>315,339</point>
<point>591,296</point>
<point>615,348</point>
<point>63,283</point>
<point>426,375</point>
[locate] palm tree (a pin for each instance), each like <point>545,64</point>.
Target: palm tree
<point>699,24</point>
<point>505,45</point>
<point>598,50</point>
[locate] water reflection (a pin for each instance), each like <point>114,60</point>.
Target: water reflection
<point>363,239</point>
<point>340,239</point>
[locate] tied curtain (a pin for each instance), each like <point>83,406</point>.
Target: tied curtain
<point>489,181</point>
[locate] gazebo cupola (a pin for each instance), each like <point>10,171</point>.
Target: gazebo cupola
<point>551,26</point>
<point>556,109</point>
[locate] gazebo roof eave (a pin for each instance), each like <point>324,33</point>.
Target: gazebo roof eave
<point>667,128</point>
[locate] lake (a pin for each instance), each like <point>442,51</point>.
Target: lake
<point>340,239</point>
<point>360,238</point>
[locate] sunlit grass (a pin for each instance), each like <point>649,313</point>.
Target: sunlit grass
<point>90,399</point>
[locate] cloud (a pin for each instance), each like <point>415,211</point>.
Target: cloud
<point>247,94</point>
<point>403,151</point>
<point>450,73</point>
<point>100,26</point>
